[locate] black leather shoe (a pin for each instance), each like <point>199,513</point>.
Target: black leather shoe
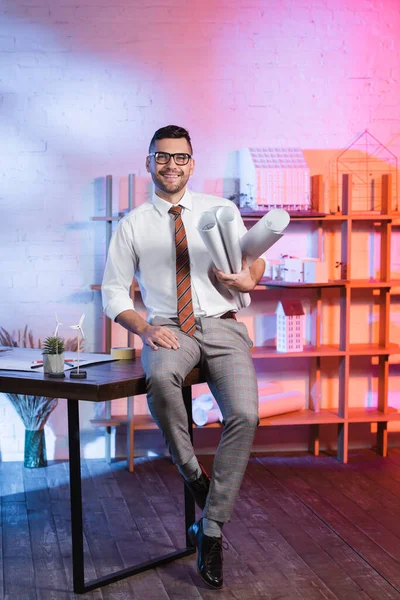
<point>209,554</point>
<point>199,488</point>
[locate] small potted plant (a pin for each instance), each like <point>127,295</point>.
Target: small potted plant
<point>53,356</point>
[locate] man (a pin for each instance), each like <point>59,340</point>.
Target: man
<point>191,319</point>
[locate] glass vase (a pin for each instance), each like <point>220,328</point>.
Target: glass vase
<point>35,449</point>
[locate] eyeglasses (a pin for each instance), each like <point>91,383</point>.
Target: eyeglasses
<point>163,158</point>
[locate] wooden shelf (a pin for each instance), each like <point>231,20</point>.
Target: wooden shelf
<point>107,219</point>
<point>372,216</point>
<point>299,284</point>
<point>371,415</point>
<point>303,417</point>
<point>308,351</point>
<point>373,349</point>
<point>376,216</point>
<point>372,283</point>
<point>354,283</point>
<point>300,417</point>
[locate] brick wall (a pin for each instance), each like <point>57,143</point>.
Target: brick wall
<point>85,84</point>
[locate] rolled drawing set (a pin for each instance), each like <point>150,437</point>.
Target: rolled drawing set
<point>272,401</point>
<point>219,231</point>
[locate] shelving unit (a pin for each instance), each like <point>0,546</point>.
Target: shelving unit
<point>108,422</point>
<point>345,351</point>
<point>378,289</point>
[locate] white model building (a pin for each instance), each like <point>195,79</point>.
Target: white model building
<point>274,178</point>
<point>289,326</point>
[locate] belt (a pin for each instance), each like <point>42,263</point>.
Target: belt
<point>229,315</point>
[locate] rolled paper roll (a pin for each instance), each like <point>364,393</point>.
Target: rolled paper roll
<point>264,234</point>
<point>204,401</point>
<point>268,388</point>
<point>203,417</point>
<point>123,353</point>
<point>279,404</point>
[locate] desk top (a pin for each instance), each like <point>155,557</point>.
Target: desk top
<point>106,381</point>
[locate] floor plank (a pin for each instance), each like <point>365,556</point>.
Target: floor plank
<point>317,498</point>
<point>306,557</point>
<point>303,528</point>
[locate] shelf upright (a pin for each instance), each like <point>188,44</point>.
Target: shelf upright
<point>109,219</point>
<point>314,385</point>
<point>344,332</point>
<point>108,323</point>
<point>130,437</point>
<point>384,313</point>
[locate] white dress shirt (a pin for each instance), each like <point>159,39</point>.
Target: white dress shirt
<point>143,246</point>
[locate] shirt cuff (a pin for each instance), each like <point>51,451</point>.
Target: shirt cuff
<point>117,306</point>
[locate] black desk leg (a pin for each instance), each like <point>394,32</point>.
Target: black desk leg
<point>75,486</point>
<point>190,510</point>
<point>75,483</point>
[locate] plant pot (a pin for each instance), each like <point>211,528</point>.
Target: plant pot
<point>53,364</point>
<point>35,449</point>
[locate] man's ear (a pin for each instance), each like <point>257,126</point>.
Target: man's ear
<point>191,166</point>
<point>148,164</point>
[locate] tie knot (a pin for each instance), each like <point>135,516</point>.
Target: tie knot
<point>175,210</point>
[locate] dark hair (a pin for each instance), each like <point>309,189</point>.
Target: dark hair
<point>170,131</point>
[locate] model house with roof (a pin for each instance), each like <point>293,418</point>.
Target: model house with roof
<point>289,326</point>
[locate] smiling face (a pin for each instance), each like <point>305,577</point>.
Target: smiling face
<point>170,180</point>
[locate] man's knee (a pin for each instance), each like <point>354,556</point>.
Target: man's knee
<point>163,377</point>
<point>245,420</point>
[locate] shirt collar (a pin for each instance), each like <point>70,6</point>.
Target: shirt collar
<point>163,206</point>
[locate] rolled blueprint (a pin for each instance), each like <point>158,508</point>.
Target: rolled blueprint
<point>264,234</point>
<point>278,404</point>
<point>205,408</point>
<point>210,233</point>
<point>204,401</point>
<point>203,417</point>
<point>228,228</point>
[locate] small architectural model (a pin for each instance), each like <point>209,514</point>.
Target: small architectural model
<point>289,326</point>
<point>78,374</point>
<point>366,159</point>
<point>292,269</point>
<point>274,178</point>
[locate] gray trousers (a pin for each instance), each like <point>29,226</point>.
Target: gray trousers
<point>221,347</point>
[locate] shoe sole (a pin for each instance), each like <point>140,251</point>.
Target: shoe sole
<point>213,587</point>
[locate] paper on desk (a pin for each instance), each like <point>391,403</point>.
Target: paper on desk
<point>22,359</point>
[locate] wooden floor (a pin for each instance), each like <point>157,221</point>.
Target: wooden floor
<point>303,527</point>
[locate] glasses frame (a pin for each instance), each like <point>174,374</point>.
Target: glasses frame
<point>171,156</point>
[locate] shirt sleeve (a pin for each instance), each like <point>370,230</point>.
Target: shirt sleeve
<point>119,272</point>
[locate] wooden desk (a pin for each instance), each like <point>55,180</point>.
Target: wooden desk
<point>107,381</point>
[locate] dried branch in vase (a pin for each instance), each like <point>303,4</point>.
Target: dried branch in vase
<point>33,410</point>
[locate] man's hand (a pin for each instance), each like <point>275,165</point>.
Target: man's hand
<point>240,282</point>
<point>154,336</point>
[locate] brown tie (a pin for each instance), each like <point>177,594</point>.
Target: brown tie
<point>183,283</point>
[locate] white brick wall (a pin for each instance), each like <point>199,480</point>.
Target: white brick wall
<point>84,85</point>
